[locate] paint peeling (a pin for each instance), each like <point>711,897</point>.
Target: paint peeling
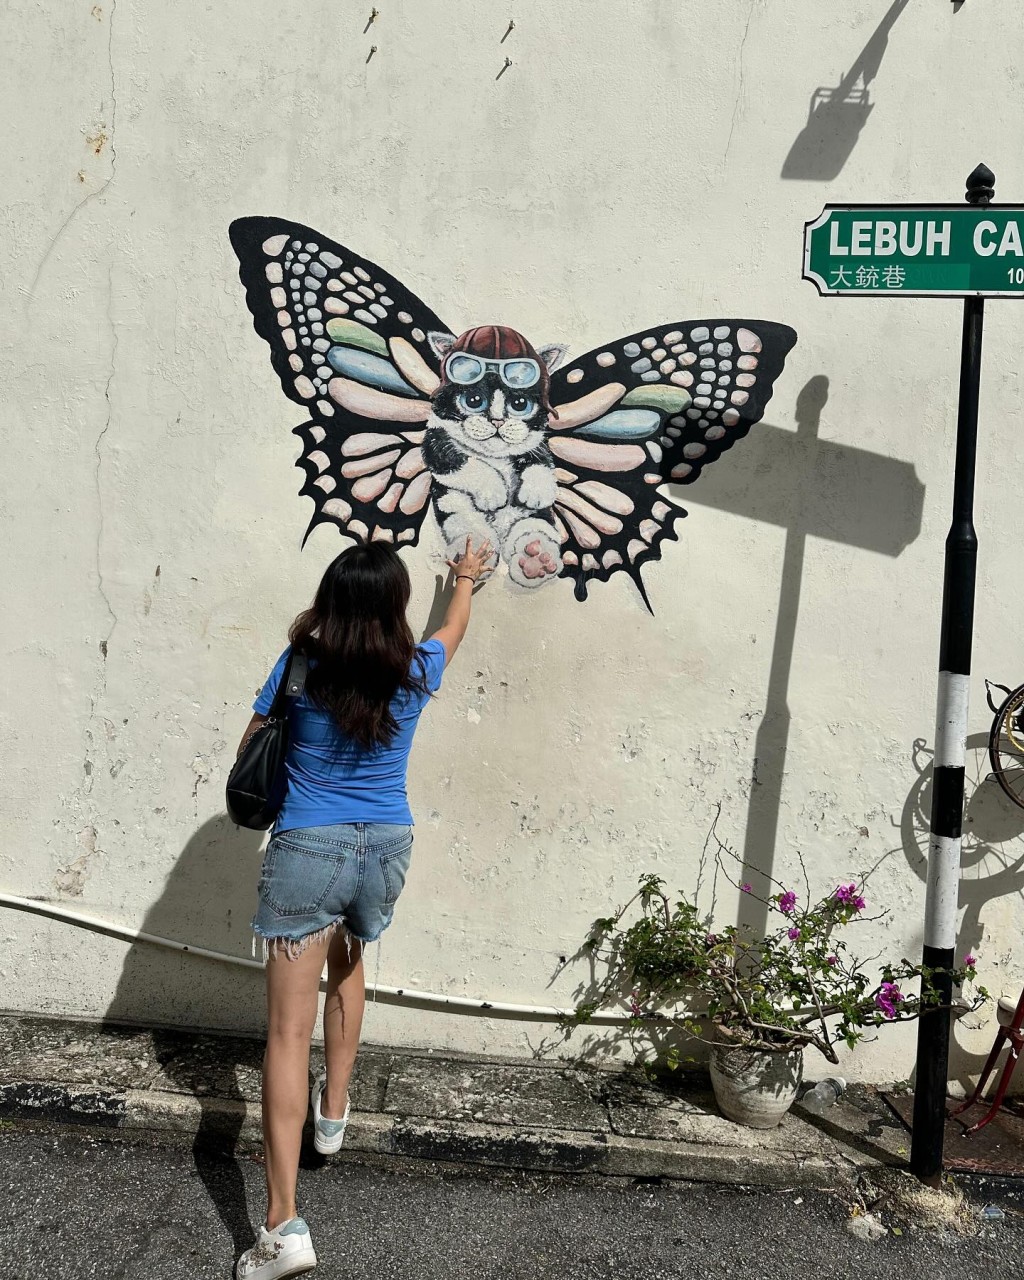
<point>70,880</point>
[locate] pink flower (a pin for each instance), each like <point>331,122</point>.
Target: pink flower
<point>833,960</point>
<point>787,902</point>
<point>634,1004</point>
<point>711,939</point>
<point>793,934</point>
<point>847,894</point>
<point>888,998</point>
<point>746,888</point>
<point>970,961</point>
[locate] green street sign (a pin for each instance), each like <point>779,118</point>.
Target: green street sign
<point>916,251</point>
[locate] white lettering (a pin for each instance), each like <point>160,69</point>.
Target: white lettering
<point>937,238</point>
<point>836,249</point>
<point>1010,242</point>
<point>885,239</point>
<point>911,250</point>
<point>860,239</point>
<point>984,228</point>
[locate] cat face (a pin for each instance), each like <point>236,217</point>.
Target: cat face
<point>491,419</point>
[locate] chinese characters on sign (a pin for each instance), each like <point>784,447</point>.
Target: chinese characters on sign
<point>867,277</point>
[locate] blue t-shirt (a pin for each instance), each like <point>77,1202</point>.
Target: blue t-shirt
<point>331,778</point>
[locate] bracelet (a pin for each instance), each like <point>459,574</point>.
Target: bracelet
<point>464,575</point>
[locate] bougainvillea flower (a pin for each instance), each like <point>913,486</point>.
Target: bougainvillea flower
<point>833,960</point>
<point>888,998</point>
<point>847,894</point>
<point>746,888</point>
<point>794,933</point>
<point>787,902</point>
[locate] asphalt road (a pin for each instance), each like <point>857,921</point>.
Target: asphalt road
<point>81,1207</point>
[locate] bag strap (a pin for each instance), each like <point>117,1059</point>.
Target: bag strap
<point>293,681</point>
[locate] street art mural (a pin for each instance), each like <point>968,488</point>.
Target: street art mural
<point>562,465</point>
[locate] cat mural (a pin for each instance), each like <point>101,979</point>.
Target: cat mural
<point>563,469</point>
<point>486,447</point>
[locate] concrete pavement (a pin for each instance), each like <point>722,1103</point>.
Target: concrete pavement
<point>536,1116</point>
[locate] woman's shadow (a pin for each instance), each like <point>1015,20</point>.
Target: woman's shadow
<point>207,900</point>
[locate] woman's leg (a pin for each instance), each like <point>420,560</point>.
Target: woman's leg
<point>343,1018</point>
<point>293,992</point>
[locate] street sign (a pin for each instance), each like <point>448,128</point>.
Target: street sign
<point>945,251</point>
<point>916,251</point>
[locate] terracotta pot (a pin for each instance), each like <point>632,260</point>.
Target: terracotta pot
<point>755,1087</point>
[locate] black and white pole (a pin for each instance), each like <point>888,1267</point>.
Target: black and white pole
<point>950,744</point>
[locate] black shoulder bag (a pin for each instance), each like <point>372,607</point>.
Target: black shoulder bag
<point>257,782</point>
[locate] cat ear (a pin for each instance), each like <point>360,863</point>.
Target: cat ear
<point>553,355</point>
<point>441,343</point>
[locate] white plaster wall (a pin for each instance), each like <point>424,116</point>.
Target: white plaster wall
<point>624,171</point>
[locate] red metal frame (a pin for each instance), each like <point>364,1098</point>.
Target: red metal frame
<point>1014,1036</point>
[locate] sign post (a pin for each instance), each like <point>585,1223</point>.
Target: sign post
<point>936,251</point>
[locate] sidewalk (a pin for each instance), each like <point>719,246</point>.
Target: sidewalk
<point>172,1085</point>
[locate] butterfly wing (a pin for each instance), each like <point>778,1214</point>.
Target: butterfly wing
<point>642,412</point>
<point>349,343</point>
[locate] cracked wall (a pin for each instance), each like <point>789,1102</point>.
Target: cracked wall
<point>625,169</point>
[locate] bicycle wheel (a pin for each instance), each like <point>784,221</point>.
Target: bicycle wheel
<point>1006,746</point>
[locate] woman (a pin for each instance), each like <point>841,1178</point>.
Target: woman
<point>339,851</point>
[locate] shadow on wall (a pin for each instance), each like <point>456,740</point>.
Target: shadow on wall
<point>809,487</point>
<point>992,867</point>
<point>442,598</point>
<point>838,114</point>
<point>222,861</point>
<point>601,1045</point>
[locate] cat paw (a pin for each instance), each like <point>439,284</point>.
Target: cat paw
<point>538,489</point>
<point>534,558</point>
<point>456,548</point>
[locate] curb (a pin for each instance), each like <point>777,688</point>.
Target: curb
<point>165,1116</point>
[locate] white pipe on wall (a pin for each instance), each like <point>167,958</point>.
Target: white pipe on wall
<point>401,996</point>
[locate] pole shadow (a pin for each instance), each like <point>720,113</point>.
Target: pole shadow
<point>207,900</point>
<point>821,489</point>
<point>839,113</point>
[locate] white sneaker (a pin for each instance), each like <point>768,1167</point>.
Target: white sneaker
<point>285,1251</point>
<point>328,1135</point>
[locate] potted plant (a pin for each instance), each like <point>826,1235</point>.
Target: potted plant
<point>759,1000</point>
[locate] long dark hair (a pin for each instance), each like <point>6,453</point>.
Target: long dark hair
<point>356,631</point>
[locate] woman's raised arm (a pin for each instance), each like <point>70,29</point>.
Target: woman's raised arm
<point>470,568</point>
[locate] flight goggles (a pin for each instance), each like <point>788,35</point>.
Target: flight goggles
<point>517,375</point>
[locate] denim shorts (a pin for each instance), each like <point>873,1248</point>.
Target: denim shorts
<point>315,879</point>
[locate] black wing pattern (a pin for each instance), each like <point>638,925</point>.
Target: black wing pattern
<point>645,412</point>
<point>349,343</point>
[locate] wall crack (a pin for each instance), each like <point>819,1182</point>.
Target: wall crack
<point>98,452</point>
<point>77,208</point>
<point>742,86</point>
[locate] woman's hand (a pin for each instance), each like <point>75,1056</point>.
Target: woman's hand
<point>473,564</point>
